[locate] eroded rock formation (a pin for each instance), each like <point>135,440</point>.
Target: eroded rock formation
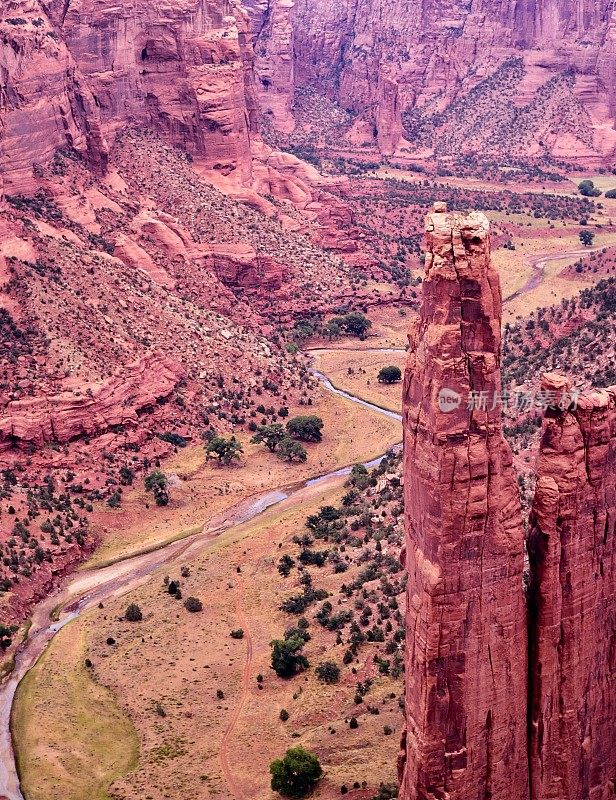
<point>466,628</point>
<point>479,724</point>
<point>60,418</point>
<point>572,547</point>
<point>389,59</point>
<point>45,103</point>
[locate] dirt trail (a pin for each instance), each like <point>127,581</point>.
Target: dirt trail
<point>225,760</point>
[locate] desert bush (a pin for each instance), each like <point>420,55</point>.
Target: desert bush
<point>133,613</point>
<point>296,774</point>
<point>194,605</point>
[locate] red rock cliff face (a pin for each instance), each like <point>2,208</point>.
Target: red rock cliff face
<point>573,604</point>
<point>184,68</point>
<point>466,626</point>
<point>45,103</point>
<point>385,57</point>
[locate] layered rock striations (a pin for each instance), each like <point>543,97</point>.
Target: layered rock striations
<point>466,655</point>
<point>424,62</point>
<point>45,103</point>
<point>479,724</point>
<point>184,68</point>
<point>60,418</point>
<point>572,548</point>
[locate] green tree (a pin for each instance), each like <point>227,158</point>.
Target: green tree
<point>290,450</point>
<point>356,324</point>
<point>269,435</point>
<point>390,374</point>
<point>296,774</point>
<point>306,428</point>
<point>328,672</point>
<point>287,658</point>
<point>227,450</point>
<point>332,329</point>
<point>587,238</point>
<point>157,483</point>
<point>588,189</point>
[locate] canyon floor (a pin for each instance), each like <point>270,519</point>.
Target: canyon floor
<point>189,742</point>
<point>141,714</point>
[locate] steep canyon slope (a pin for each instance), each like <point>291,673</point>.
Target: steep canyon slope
<point>525,77</point>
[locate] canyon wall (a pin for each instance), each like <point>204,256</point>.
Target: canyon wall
<point>572,548</point>
<point>383,59</point>
<point>466,656</point>
<point>183,68</point>
<point>78,71</point>
<point>45,103</point>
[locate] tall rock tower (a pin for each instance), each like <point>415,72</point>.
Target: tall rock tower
<point>466,676</point>
<point>572,548</point>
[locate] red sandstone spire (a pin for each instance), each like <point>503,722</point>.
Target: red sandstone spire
<point>572,549</point>
<point>466,640</point>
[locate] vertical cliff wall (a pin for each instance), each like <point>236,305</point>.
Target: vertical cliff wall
<point>572,547</point>
<point>386,58</point>
<point>183,68</point>
<point>466,667</point>
<point>45,103</point>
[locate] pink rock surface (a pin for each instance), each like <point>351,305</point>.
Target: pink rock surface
<point>466,658</point>
<point>572,548</point>
<point>47,104</point>
<point>381,58</point>
<point>60,418</point>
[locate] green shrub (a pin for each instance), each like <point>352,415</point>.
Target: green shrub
<point>328,672</point>
<point>157,483</point>
<point>194,605</point>
<point>296,774</point>
<point>287,657</point>
<point>133,613</point>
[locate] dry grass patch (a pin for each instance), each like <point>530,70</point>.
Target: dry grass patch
<point>203,491</point>
<point>72,740</point>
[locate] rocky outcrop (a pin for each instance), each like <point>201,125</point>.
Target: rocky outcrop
<point>178,67</point>
<point>61,418</point>
<point>466,655</point>
<point>45,104</point>
<point>240,267</point>
<point>572,548</point>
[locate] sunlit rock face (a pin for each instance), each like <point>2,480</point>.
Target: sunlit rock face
<point>466,658</point>
<point>572,548</point>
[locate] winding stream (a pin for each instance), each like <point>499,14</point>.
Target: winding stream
<point>88,588</point>
<point>538,265</point>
